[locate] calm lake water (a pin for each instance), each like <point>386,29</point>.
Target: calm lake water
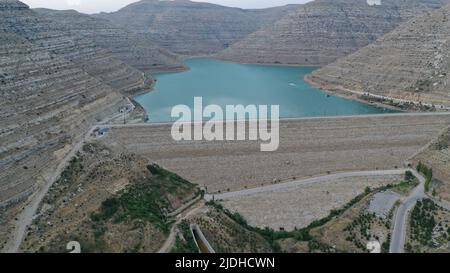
<point>224,83</point>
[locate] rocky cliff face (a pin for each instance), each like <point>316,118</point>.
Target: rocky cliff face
<point>53,86</point>
<point>412,63</point>
<point>137,50</point>
<point>75,48</point>
<point>322,31</point>
<point>193,28</point>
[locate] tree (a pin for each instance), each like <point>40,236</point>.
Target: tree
<point>409,176</point>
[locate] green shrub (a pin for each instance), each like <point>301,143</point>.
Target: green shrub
<point>427,172</point>
<point>186,245</point>
<point>145,199</point>
<point>409,176</point>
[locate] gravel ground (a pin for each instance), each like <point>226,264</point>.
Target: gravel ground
<point>382,203</point>
<point>297,207</point>
<point>308,147</point>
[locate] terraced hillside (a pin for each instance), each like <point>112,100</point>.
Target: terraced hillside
<point>437,157</point>
<point>137,50</point>
<point>54,86</point>
<point>411,63</point>
<point>322,31</point>
<point>193,28</point>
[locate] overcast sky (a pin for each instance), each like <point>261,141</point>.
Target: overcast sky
<point>94,6</point>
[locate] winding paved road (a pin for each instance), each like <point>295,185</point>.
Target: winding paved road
<point>398,237</point>
<point>303,182</point>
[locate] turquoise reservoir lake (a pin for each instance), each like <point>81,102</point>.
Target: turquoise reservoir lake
<point>224,83</point>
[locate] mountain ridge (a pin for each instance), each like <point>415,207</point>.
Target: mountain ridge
<point>54,86</point>
<point>411,63</point>
<point>137,50</point>
<point>192,28</point>
<point>322,31</point>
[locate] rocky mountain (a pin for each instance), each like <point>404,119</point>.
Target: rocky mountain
<point>193,28</point>
<point>410,63</point>
<point>137,50</point>
<point>322,31</point>
<point>54,85</point>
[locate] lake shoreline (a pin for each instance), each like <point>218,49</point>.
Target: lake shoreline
<point>349,95</point>
<point>300,98</point>
<point>312,83</point>
<point>263,64</point>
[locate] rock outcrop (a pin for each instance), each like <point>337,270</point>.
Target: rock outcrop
<point>320,32</point>
<point>137,50</point>
<point>193,28</point>
<point>54,85</point>
<point>411,63</point>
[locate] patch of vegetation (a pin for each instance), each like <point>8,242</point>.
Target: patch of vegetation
<point>228,236</point>
<point>299,234</point>
<point>405,186</point>
<point>408,184</point>
<point>93,147</point>
<point>186,242</point>
<point>269,234</point>
<point>423,222</point>
<point>403,106</point>
<point>409,176</point>
<point>72,171</point>
<point>386,244</point>
<point>302,234</point>
<point>360,228</point>
<point>177,183</point>
<point>316,246</point>
<point>146,199</point>
<point>429,228</point>
<point>427,172</point>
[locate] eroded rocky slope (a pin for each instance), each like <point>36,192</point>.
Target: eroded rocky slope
<point>437,157</point>
<point>322,31</point>
<point>54,85</point>
<point>193,28</point>
<point>137,50</point>
<point>411,63</point>
<point>109,201</point>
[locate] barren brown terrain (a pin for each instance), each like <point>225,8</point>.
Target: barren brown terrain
<point>308,147</point>
<point>292,208</point>
<point>409,64</point>
<point>109,201</point>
